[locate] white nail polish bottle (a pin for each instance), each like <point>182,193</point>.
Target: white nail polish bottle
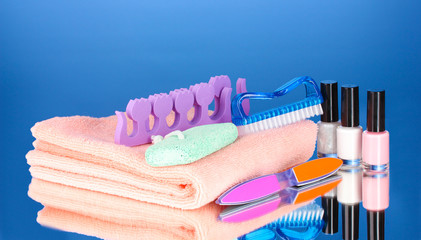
<point>349,134</point>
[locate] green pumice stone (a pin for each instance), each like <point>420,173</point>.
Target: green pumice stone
<point>198,142</point>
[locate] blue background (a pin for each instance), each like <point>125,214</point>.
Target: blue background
<point>62,58</point>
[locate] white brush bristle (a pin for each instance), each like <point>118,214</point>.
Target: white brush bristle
<point>310,213</point>
<point>281,120</point>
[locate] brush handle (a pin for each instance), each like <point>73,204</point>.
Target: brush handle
<point>312,90</point>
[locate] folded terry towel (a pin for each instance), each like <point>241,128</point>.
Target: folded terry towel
<point>111,217</point>
<point>80,152</point>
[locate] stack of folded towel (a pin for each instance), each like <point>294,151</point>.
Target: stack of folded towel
<point>79,172</point>
<point>111,217</point>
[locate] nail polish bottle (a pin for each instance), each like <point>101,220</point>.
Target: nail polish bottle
<point>326,147</point>
<point>376,165</point>
<point>349,150</point>
<point>349,133</point>
<point>376,138</point>
<point>326,135</point>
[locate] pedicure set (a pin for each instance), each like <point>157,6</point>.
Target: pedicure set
<point>335,139</point>
<point>167,143</point>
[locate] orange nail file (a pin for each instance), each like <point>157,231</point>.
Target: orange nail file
<point>261,187</point>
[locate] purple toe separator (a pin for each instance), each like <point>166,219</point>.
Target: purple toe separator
<point>199,96</point>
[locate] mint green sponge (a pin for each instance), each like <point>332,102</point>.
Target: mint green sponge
<point>198,142</point>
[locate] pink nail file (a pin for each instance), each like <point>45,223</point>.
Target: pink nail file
<point>261,187</point>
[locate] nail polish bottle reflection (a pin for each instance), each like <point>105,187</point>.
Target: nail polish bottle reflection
<point>349,195</point>
<point>375,200</point>
<point>330,205</point>
<point>326,147</point>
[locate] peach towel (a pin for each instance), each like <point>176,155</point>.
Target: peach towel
<point>80,152</point>
<point>111,217</point>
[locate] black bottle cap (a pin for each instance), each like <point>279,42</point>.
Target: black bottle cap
<point>350,115</point>
<point>350,221</point>
<point>375,110</point>
<point>375,225</point>
<point>329,91</point>
<point>330,206</point>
